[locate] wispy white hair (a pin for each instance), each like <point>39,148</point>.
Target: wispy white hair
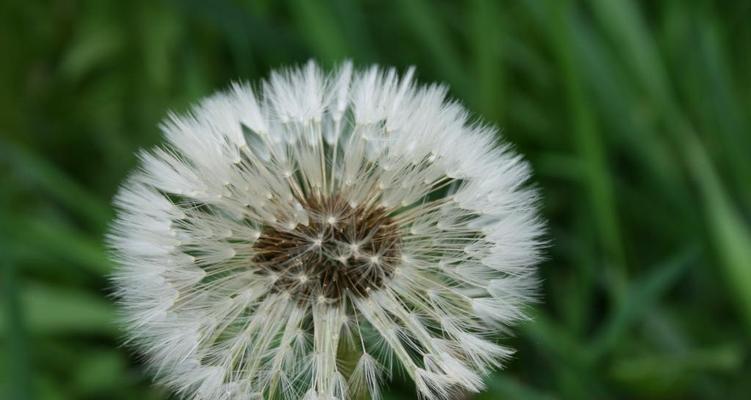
<point>304,164</point>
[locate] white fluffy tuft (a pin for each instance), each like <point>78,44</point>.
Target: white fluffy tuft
<point>214,328</point>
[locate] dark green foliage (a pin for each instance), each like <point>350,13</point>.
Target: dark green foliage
<point>635,115</point>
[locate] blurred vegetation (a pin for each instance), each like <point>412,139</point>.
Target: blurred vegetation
<point>634,114</point>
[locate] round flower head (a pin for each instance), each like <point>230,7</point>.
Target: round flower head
<point>306,238</point>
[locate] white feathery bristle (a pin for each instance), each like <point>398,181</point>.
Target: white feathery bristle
<point>351,212</point>
<point>366,376</point>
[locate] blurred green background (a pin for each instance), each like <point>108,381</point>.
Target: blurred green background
<point>635,116</point>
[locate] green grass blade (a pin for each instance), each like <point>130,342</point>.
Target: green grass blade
<point>18,357</point>
<point>588,141</point>
<point>642,297</point>
<point>49,179</point>
<point>51,311</point>
<point>424,22</point>
<point>321,30</point>
<point>503,387</point>
<point>728,231</point>
<point>486,38</point>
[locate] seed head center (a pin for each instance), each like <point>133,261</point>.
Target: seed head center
<point>343,250</point>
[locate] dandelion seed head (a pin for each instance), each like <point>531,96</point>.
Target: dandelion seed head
<point>284,252</point>
<point>322,217</point>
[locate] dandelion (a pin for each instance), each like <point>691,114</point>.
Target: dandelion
<point>307,238</point>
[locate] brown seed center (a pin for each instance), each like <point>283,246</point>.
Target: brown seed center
<point>342,250</point>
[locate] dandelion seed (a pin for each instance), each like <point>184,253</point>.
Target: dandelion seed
<point>355,212</point>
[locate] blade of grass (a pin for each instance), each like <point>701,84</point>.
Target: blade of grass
<point>619,101</point>
<point>723,109</point>
<point>98,372</point>
<point>486,39</point>
<point>244,33</point>
<point>63,243</point>
<point>621,19</point>
<point>666,374</point>
<point>640,299</point>
<point>425,23</point>
<point>589,145</point>
<point>500,386</point>
<point>729,233</point>
<point>566,355</point>
<point>560,166</point>
<point>52,310</point>
<point>356,28</point>
<point>551,338</point>
<point>17,358</point>
<point>319,28</point>
<point>50,180</point>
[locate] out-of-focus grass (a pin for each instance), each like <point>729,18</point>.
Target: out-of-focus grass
<point>635,115</point>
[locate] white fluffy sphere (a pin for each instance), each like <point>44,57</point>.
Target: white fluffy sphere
<point>298,240</point>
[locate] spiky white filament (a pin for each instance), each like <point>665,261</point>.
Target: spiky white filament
<point>217,325</point>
